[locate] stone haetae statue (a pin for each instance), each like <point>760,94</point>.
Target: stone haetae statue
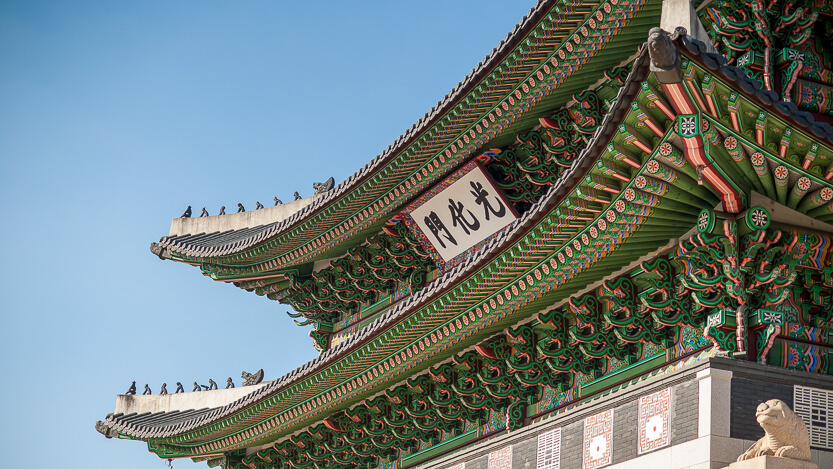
<point>297,195</point>
<point>204,213</point>
<point>132,389</point>
<point>187,213</point>
<point>252,378</point>
<point>222,210</point>
<point>229,383</point>
<point>179,388</point>
<point>278,201</point>
<point>147,390</point>
<point>164,389</point>
<point>785,435</point>
<point>321,187</point>
<point>211,384</point>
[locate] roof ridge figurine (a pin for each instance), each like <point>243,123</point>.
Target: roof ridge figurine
<point>252,378</point>
<point>204,213</point>
<point>278,201</point>
<point>322,187</point>
<point>222,210</point>
<point>187,213</point>
<point>240,208</point>
<point>258,206</point>
<point>297,195</point>
<point>132,389</point>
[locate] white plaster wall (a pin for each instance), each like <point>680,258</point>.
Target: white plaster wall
<point>128,404</point>
<point>236,221</point>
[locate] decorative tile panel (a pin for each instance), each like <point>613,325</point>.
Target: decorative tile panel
<point>815,407</point>
<point>549,450</point>
<point>654,421</point>
<point>501,459</point>
<point>598,440</point>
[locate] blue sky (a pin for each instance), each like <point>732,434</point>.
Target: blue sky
<point>115,116</point>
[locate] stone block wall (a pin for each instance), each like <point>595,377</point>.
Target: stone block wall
<point>683,413</point>
<point>751,384</point>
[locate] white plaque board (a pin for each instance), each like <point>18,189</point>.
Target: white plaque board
<point>461,211</point>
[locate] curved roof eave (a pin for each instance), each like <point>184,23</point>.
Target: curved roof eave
<point>493,248</point>
<point>259,246</point>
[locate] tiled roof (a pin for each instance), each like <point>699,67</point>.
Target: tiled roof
<point>157,425</point>
<point>230,242</point>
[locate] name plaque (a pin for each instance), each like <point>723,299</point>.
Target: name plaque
<point>459,213</point>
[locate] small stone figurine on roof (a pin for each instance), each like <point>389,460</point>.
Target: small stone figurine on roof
<point>252,378</point>
<point>322,187</point>
<point>132,389</point>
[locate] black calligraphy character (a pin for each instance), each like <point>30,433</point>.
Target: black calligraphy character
<point>480,195</point>
<point>436,226</point>
<point>456,209</point>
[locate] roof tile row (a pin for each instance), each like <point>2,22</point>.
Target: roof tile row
<point>217,244</point>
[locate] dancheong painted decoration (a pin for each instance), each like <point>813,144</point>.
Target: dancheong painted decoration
<point>620,193</point>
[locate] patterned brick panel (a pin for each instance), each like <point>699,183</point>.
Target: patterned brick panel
<point>549,450</point>
<point>654,428</point>
<point>598,440</point>
<point>501,459</point>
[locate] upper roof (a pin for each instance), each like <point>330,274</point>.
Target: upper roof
<point>485,109</point>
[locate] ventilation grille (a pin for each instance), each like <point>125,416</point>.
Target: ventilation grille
<point>815,407</point>
<point>549,450</point>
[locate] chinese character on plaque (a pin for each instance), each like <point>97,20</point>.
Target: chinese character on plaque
<point>458,215</point>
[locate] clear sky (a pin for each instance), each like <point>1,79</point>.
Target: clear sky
<point>114,116</point>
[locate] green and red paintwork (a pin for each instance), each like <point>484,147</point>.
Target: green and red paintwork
<point>739,286</point>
